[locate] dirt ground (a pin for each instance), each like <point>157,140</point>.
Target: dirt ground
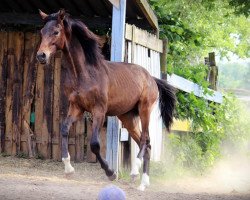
<point>38,179</point>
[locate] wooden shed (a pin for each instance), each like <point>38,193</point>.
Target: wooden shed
<point>32,104</point>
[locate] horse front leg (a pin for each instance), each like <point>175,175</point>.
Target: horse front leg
<point>98,120</point>
<point>74,113</point>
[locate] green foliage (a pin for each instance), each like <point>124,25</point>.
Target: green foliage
<point>241,6</point>
<point>193,29</point>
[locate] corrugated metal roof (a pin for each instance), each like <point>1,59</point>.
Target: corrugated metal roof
<point>85,9</point>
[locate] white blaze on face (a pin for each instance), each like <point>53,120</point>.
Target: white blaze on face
<point>136,167</point>
<point>68,167</point>
<point>144,182</point>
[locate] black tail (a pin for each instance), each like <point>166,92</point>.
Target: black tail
<point>167,101</point>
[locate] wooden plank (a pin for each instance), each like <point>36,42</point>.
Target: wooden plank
<point>149,13</point>
<point>188,86</point>
<point>3,84</point>
<point>113,142</point>
<point>56,150</point>
<point>48,110</point>
<point>30,40</point>
<point>17,91</point>
<point>9,95</point>
<point>39,103</point>
<point>29,83</point>
<point>25,114</point>
<point>143,38</point>
<point>150,60</point>
<point>117,54</point>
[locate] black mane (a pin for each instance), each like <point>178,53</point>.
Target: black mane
<point>88,40</point>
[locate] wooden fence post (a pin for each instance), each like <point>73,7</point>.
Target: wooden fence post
<point>117,54</point>
<point>213,71</point>
<point>164,60</point>
<point>9,95</point>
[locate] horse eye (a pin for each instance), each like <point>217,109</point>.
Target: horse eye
<point>56,33</point>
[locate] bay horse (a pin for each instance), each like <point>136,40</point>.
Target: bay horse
<point>103,88</point>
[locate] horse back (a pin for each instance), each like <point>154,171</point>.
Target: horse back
<point>125,86</point>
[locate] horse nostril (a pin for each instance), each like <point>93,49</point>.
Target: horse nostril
<point>41,57</point>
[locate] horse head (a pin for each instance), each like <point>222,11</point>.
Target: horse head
<point>53,36</point>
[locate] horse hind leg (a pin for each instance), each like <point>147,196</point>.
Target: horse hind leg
<point>131,122</point>
<point>145,108</point>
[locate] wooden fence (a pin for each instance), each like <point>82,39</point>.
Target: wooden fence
<point>32,106</point>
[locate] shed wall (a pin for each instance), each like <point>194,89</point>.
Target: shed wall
<point>33,105</point>
<point>150,60</point>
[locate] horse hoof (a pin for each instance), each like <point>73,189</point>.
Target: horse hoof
<point>141,187</point>
<point>134,177</point>
<point>112,177</point>
<point>69,175</point>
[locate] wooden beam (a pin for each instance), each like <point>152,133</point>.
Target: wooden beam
<point>117,54</point>
<point>143,38</point>
<point>91,22</point>
<point>118,32</point>
<point>17,18</point>
<point>188,86</point>
<point>149,13</point>
<point>34,19</point>
<point>115,3</point>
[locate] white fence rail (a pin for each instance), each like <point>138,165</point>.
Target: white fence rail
<point>188,86</point>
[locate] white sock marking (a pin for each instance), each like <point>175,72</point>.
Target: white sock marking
<point>144,182</point>
<point>68,166</point>
<point>135,167</point>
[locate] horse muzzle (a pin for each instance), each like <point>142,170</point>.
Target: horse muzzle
<point>42,58</point>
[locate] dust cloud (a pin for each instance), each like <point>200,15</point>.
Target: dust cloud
<point>230,175</point>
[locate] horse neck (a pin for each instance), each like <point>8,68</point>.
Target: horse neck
<point>77,67</point>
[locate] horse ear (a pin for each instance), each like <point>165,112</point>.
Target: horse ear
<point>43,15</point>
<point>61,14</point>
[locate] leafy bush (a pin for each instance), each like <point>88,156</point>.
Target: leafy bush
<point>213,127</point>
<point>193,29</point>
